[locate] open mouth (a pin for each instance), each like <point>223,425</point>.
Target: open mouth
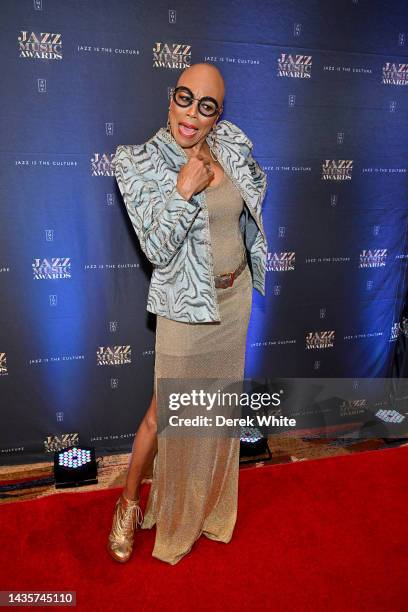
<point>187,131</point>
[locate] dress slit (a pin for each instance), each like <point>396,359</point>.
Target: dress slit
<point>194,489</point>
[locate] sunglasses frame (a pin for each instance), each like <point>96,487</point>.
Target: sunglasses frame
<point>199,100</point>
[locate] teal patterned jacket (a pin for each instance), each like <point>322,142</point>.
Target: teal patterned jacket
<point>174,232</point>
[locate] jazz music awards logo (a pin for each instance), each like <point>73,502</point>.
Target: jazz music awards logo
<point>375,258</point>
<point>113,355</point>
<point>102,164</point>
<point>280,262</point>
<point>295,66</point>
<point>53,444</point>
<point>320,339</point>
<point>337,169</point>
<point>350,407</point>
<point>395,74</point>
<point>3,364</point>
<point>42,45</point>
<point>56,267</point>
<point>173,55</point>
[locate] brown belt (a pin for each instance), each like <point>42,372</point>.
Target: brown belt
<point>222,281</point>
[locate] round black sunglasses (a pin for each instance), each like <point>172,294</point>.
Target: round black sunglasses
<point>207,106</point>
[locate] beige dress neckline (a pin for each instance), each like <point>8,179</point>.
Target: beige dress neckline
<point>216,186</point>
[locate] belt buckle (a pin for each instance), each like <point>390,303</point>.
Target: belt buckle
<point>229,280</point>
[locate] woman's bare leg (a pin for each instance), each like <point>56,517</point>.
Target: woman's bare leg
<point>143,451</point>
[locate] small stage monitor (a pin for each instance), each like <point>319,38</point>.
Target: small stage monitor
<point>75,466</point>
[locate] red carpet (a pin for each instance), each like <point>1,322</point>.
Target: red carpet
<point>329,534</point>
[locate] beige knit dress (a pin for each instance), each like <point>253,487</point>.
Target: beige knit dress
<point>195,479</point>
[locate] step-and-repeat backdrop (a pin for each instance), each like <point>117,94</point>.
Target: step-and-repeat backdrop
<point>321,90</point>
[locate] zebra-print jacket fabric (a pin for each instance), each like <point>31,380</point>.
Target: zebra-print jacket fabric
<point>174,233</point>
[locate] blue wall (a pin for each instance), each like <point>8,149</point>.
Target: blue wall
<point>320,88</point>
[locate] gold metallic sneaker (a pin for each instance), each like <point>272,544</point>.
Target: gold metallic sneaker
<point>127,516</point>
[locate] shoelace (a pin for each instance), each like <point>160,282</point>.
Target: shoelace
<point>127,518</point>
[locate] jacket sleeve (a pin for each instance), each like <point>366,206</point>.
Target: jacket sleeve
<point>258,174</point>
<point>161,223</point>
<point>247,146</point>
<point>260,179</point>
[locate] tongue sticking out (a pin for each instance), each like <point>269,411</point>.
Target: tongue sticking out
<point>186,130</point>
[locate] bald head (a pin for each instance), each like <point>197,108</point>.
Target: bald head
<point>204,80</point>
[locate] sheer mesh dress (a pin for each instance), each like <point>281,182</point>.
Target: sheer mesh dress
<point>195,479</point>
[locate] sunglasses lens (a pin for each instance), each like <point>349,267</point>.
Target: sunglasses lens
<point>182,98</point>
<point>207,107</point>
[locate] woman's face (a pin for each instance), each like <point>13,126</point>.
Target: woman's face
<point>188,125</point>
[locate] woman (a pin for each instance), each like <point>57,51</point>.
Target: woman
<point>193,177</point>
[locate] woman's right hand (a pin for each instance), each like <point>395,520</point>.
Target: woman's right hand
<point>194,176</point>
